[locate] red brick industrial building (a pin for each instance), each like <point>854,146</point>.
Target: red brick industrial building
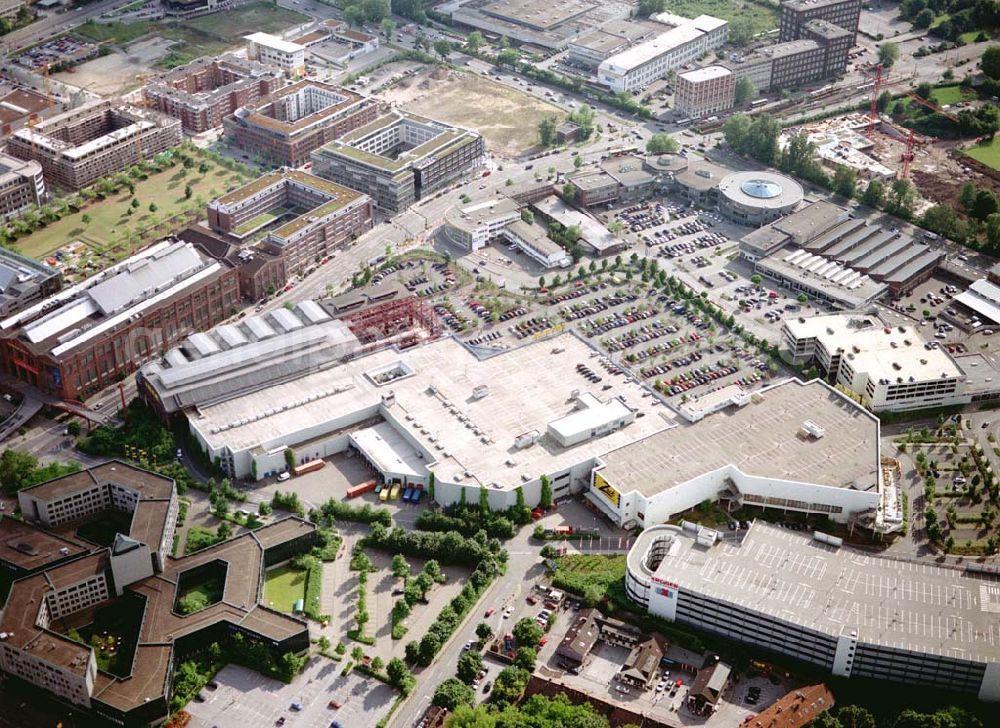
<point>88,336</point>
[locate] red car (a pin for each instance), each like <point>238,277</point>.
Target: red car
<point>489,612</point>
<point>542,641</point>
<point>333,705</point>
<point>532,600</point>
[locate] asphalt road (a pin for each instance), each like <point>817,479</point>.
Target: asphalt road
<point>52,24</point>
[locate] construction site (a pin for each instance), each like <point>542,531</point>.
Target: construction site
<point>882,145</point>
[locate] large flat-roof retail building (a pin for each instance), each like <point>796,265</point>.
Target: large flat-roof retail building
<point>306,217</point>
<point>202,93</point>
<point>806,596</point>
<point>86,337</point>
<point>638,66</point>
<point>65,581</point>
<point>286,126</point>
<point>78,147</point>
<point>400,158</point>
<point>502,421</point>
<point>551,25</point>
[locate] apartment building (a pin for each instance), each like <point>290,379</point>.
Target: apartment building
<point>136,576</point>
<point>274,51</point>
<point>202,93</point>
<point>86,337</point>
<point>326,217</point>
<point>704,91</point>
<point>98,139</point>
<point>21,185</point>
<point>888,368</point>
<point>810,597</point>
<point>400,158</point>
<point>796,14</point>
<point>285,127</point>
<point>635,68</point>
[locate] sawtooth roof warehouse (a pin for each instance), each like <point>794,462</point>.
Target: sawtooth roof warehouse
<point>504,421</point>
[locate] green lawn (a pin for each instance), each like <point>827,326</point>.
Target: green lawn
<point>210,35</point>
<point>988,154</point>
<point>261,219</point>
<point>283,587</point>
<point>590,576</point>
<point>109,222</point>
<point>763,18</point>
<point>256,17</point>
<point>950,95</point>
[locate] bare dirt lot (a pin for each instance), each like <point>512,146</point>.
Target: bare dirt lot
<point>112,74</point>
<point>507,118</point>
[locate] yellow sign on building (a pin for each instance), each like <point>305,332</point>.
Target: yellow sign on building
<point>607,490</point>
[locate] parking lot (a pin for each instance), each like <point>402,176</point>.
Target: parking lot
<point>245,698</point>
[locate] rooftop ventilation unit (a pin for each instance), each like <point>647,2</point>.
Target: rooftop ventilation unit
<point>813,429</point>
<point>481,391</point>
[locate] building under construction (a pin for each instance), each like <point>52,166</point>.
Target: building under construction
<point>98,139</point>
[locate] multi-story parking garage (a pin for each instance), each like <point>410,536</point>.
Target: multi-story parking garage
<point>808,597</point>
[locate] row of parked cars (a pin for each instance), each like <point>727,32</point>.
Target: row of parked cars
<point>530,327</point>
<point>664,347</point>
<point>640,335</point>
<point>659,369</point>
<point>618,320</point>
<point>454,321</point>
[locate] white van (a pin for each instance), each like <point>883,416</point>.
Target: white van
<point>282,477</point>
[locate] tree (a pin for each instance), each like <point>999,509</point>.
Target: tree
<point>135,202</point>
<point>737,131</point>
<point>442,48</point>
<point>745,91</point>
<point>993,231</point>
<point>433,569</point>
<point>525,658</point>
<point>541,281</point>
<point>375,10</point>
<point>545,499</point>
<point>884,99</point>
<point>990,62</point>
<point>924,90</point>
<point>577,162</point>
<point>854,716</point>
<point>924,18</point>
<point>400,675</point>
<point>569,195</point>
<point>583,117</point>
<point>188,191</point>
<point>323,643</point>
<point>967,197</point>
<point>527,216</point>
<point>527,632</point>
<point>650,7</point>
<point>888,54</point>
<point>474,42</point>
<point>357,653</point>
<point>469,666</point>
<point>264,508</point>
<point>741,30</point>
<point>400,568</point>
<point>354,15</point>
<point>662,144</point>
<point>153,207</point>
<point>452,693</point>
<point>845,182</point>
<point>986,204</point>
<point>547,131</point>
<point>483,631</point>
<point>85,219</point>
<point>192,602</point>
<point>484,500</point>
<point>388,26</point>
<point>756,279</point>
<point>509,685</point>
<point>941,219</point>
<point>508,57</point>
<point>874,194</point>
